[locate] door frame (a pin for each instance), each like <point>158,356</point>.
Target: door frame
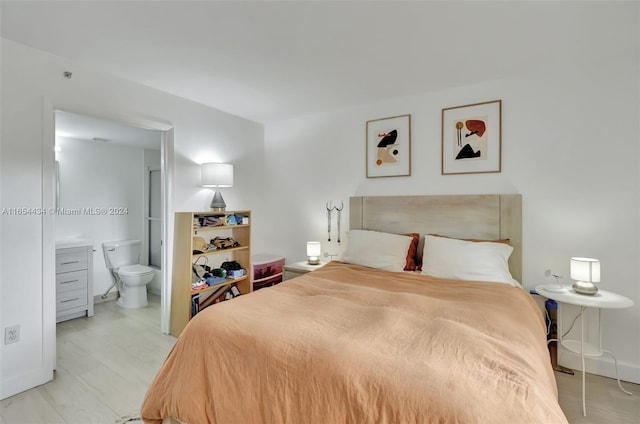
<point>167,163</point>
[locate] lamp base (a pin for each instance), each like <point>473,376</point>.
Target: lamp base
<point>313,260</point>
<point>583,287</point>
<point>217,203</point>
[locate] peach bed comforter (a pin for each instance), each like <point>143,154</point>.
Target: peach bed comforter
<point>348,344</point>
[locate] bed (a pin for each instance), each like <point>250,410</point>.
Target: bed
<point>354,343</point>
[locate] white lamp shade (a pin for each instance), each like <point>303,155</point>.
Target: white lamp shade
<point>585,269</point>
<point>216,175</point>
<point>313,248</point>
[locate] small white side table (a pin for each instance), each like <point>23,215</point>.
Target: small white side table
<point>297,269</point>
<point>601,300</point>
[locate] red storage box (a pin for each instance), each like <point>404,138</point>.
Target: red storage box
<point>266,270</point>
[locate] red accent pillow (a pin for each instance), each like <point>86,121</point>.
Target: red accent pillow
<point>412,252</point>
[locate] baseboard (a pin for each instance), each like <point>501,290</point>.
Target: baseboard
<point>603,366</point>
<point>20,383</point>
<point>111,296</point>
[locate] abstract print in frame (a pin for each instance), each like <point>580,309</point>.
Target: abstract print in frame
<point>472,138</point>
<point>389,147</point>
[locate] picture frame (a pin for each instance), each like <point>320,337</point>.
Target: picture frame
<point>472,138</point>
<point>388,147</point>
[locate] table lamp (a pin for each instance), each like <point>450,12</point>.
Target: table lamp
<point>217,175</point>
<point>313,252</point>
<point>585,271</point>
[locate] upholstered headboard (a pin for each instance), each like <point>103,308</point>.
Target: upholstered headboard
<point>487,217</point>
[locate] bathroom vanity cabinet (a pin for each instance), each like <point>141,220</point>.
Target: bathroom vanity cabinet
<point>206,226</point>
<point>74,282</point>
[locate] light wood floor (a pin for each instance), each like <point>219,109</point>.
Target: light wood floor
<point>606,403</point>
<point>106,363</point>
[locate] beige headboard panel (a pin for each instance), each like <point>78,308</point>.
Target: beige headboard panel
<point>489,217</point>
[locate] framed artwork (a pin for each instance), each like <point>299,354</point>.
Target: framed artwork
<point>389,147</point>
<point>472,138</point>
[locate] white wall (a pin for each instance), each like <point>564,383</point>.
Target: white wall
<point>28,78</point>
<point>570,147</point>
<point>98,175</point>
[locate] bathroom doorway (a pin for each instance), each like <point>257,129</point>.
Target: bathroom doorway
<point>100,162</point>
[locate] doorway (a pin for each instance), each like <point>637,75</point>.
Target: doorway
<point>104,166</point>
<point>165,168</point>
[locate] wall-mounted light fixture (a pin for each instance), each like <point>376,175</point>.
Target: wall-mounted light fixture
<point>217,175</point>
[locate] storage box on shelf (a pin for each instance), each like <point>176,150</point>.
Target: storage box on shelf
<point>267,270</point>
<point>185,302</point>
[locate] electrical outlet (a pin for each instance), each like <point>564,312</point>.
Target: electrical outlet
<point>11,334</point>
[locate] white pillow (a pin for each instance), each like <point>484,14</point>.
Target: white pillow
<point>374,249</point>
<point>467,260</point>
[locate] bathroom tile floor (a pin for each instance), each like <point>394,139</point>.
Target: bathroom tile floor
<point>106,363</point>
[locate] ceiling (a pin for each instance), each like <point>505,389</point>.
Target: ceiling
<point>82,127</point>
<point>268,61</point>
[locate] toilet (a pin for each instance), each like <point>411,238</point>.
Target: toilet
<point>121,258</point>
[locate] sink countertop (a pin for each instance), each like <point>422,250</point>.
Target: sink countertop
<point>73,242</point>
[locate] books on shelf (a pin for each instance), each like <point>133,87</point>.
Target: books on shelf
<point>220,295</point>
<point>195,304</point>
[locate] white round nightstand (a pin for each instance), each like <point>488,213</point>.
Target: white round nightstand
<point>601,300</point>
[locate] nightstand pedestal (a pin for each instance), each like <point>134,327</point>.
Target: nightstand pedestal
<point>601,300</point>
<point>297,269</point>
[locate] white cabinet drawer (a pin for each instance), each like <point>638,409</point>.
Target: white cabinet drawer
<point>71,281</point>
<point>71,259</point>
<point>74,282</point>
<point>71,299</point>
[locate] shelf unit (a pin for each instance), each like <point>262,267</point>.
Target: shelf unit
<point>185,228</point>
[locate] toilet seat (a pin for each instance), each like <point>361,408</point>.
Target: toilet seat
<point>134,270</point>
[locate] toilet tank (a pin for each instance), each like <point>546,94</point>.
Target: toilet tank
<point>121,253</point>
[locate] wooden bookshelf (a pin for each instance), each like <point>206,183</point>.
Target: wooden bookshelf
<point>185,228</point>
